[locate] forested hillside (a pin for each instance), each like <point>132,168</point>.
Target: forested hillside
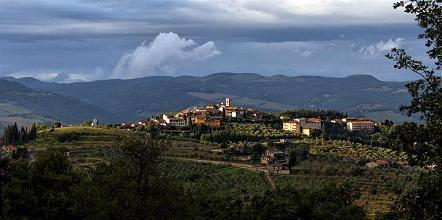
<point>358,95</point>
<point>24,105</point>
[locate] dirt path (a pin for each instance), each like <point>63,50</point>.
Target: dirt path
<point>238,165</point>
<point>269,178</point>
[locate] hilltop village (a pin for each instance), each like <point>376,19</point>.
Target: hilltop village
<point>269,150</point>
<point>236,129</point>
<point>214,116</point>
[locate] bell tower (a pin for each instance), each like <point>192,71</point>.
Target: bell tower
<point>227,101</point>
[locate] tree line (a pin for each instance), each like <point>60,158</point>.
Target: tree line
<point>12,135</point>
<point>313,113</point>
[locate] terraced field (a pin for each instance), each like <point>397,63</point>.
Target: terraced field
<point>360,151</point>
<point>86,145</point>
<point>376,195</point>
<point>218,179</point>
<point>377,187</point>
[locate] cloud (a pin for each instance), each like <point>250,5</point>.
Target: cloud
<point>163,56</point>
<point>51,37</point>
<point>62,77</point>
<point>290,12</point>
<point>381,47</point>
<point>51,17</point>
<point>43,76</point>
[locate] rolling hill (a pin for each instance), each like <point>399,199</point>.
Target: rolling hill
<point>358,95</point>
<point>25,106</point>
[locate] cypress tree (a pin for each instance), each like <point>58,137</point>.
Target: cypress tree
<point>16,134</point>
<point>23,135</point>
<point>6,136</point>
<point>33,133</point>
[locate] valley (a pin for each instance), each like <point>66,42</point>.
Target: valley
<point>123,100</point>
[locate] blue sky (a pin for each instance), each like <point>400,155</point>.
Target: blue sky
<point>83,40</point>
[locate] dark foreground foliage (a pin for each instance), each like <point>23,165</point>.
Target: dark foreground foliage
<point>129,186</point>
<point>422,143</point>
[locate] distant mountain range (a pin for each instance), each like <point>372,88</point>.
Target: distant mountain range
<point>117,100</point>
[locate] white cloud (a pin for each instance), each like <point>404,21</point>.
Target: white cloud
<point>293,12</point>
<point>44,76</point>
<point>50,76</point>
<point>62,77</point>
<point>381,47</point>
<point>163,56</point>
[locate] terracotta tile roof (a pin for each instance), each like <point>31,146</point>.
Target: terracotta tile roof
<point>312,120</point>
<point>231,108</point>
<point>355,119</point>
<point>292,121</point>
<point>362,122</point>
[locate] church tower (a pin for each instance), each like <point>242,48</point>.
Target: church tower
<point>227,101</point>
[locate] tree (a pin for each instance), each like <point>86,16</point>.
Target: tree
<point>293,156</point>
<point>42,189</point>
<point>86,123</point>
<point>257,150</point>
<point>426,92</point>
<point>40,127</point>
<point>324,202</point>
<point>422,142</point>
<point>13,136</point>
<point>56,124</point>
<point>33,133</point>
<point>128,187</point>
<point>6,136</point>
<point>5,177</point>
<point>24,138</point>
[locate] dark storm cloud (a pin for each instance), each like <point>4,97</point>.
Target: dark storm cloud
<point>240,19</point>
<point>87,39</point>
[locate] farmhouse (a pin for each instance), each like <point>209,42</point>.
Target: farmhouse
<point>292,126</point>
<point>312,123</point>
<point>360,126</point>
<point>174,121</point>
<point>346,120</point>
<point>274,155</point>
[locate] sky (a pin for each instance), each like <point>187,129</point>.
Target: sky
<point>85,40</point>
